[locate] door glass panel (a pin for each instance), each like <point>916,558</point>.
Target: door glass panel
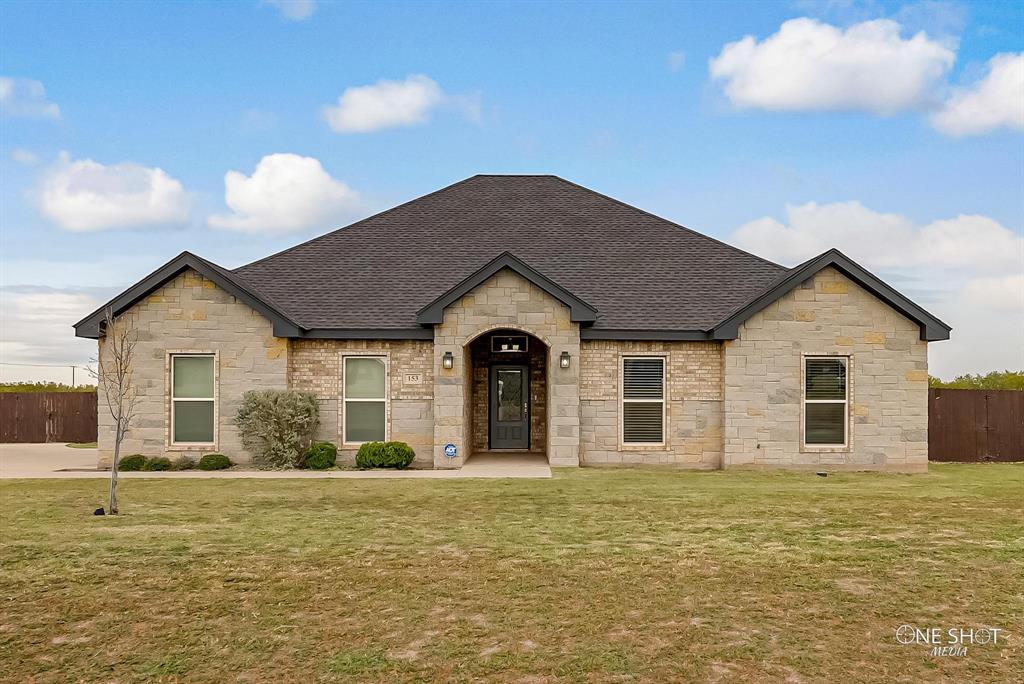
<point>510,394</point>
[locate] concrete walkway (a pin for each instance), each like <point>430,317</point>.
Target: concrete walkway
<point>32,461</point>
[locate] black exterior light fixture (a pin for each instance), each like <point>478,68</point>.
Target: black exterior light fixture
<point>563,360</point>
<point>448,361</point>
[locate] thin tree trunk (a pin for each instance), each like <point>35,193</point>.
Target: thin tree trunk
<point>113,471</point>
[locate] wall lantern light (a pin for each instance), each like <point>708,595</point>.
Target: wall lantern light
<point>448,361</point>
<point>563,360</point>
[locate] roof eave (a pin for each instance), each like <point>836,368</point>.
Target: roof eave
<point>579,310</point>
<point>932,329</point>
<point>92,325</point>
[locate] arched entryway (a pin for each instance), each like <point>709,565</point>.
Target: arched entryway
<point>508,392</point>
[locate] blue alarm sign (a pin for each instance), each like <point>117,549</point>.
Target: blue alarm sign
<point>450,451</point>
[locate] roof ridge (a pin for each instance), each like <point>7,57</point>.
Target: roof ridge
<point>354,224</point>
<point>671,222</point>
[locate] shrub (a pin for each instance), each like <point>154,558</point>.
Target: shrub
<point>384,455</point>
<point>214,462</point>
<point>185,463</point>
<point>158,463</point>
<point>131,463</point>
<point>320,456</point>
<point>277,426</point>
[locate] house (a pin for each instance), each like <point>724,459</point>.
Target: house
<point>530,313</point>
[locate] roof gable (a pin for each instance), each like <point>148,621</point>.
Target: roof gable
<point>433,313</point>
<point>932,329</point>
<point>92,325</point>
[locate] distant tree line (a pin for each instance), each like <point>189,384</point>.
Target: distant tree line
<point>44,387</point>
<point>996,380</point>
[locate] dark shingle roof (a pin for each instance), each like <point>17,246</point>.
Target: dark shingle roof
<point>639,271</point>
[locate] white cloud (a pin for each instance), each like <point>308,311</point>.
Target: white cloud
<point>968,270</point>
<point>25,98</point>
<point>35,328</point>
<point>996,101</point>
<point>676,60</point>
<point>293,10</point>
<point>23,156</point>
<point>84,195</point>
<point>285,193</point>
<point>385,104</point>
<point>811,66</point>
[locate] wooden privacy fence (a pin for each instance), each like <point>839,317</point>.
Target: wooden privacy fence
<point>47,416</point>
<point>975,425</point>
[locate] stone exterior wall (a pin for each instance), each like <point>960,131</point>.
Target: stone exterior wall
<point>316,366</point>
<point>536,358</point>
<point>506,301</point>
<point>888,377</point>
<point>693,421</point>
<point>192,314</point>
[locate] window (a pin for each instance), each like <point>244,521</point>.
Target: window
<point>825,400</point>
<point>193,399</point>
<point>365,397</point>
<point>643,400</point>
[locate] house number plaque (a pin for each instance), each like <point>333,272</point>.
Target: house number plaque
<point>413,379</point>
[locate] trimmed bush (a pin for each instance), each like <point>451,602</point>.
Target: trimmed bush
<point>185,463</point>
<point>131,463</point>
<point>158,463</point>
<point>277,426</point>
<point>214,462</point>
<point>320,456</point>
<point>384,455</point>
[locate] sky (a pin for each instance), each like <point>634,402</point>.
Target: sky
<point>132,131</point>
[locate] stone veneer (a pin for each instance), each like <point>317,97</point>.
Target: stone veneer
<point>506,300</point>
<point>191,314</point>
<point>316,366</point>
<point>736,403</point>
<point>888,376</point>
<point>693,421</point>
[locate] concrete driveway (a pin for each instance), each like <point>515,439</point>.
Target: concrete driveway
<point>59,461</point>
<point>43,460</point>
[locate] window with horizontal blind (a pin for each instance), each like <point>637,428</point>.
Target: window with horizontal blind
<point>365,399</point>
<point>826,396</point>
<point>643,400</point>
<point>193,399</point>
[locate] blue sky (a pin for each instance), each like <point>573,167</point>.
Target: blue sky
<point>634,100</point>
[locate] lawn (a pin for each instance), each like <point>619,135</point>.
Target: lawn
<point>595,575</point>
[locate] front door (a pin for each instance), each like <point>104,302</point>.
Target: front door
<point>510,407</point>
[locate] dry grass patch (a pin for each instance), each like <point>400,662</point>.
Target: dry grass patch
<point>591,576</point>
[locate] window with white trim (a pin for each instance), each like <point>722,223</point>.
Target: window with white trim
<point>826,398</point>
<point>193,399</point>
<point>365,399</point>
<point>643,400</point>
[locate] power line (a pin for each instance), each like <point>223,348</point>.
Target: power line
<point>45,365</point>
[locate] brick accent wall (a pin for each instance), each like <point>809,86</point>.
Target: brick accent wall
<point>693,421</point>
<point>506,301</point>
<point>888,376</point>
<point>191,314</point>
<point>316,366</point>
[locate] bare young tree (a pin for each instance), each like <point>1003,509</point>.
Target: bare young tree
<point>114,377</point>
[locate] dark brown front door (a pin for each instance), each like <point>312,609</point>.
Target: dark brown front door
<point>510,406</point>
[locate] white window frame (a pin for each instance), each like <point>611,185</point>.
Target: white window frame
<point>387,394</point>
<point>171,356</point>
<point>623,400</point>
<point>804,401</point>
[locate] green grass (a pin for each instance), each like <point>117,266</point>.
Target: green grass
<point>595,575</point>
<point>81,445</point>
